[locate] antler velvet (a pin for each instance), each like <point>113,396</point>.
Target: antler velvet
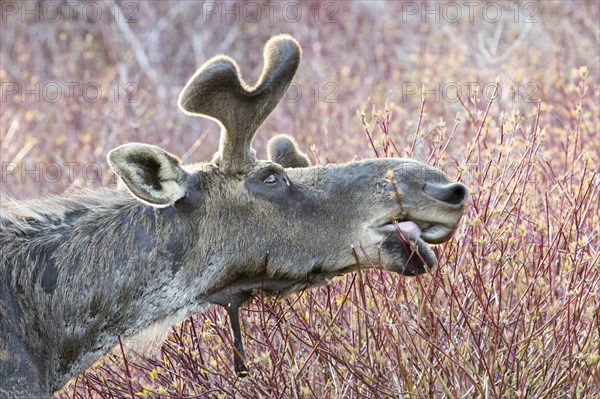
<point>217,91</point>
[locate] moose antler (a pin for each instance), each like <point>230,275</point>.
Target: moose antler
<point>217,91</point>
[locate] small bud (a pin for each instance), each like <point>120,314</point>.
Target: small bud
<point>389,177</point>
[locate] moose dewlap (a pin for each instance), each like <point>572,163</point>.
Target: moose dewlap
<point>78,272</point>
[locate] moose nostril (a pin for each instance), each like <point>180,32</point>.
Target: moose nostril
<point>453,193</point>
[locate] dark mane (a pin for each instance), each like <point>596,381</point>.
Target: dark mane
<point>34,216</point>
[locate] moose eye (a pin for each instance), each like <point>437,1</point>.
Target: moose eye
<point>271,179</point>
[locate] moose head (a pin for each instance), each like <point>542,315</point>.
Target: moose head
<point>278,218</point>
<point>78,272</point>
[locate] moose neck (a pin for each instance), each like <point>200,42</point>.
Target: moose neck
<point>107,272</point>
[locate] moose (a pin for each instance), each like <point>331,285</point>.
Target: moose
<point>80,271</point>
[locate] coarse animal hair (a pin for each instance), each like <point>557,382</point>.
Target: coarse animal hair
<point>79,271</point>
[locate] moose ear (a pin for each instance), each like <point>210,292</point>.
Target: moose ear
<point>283,150</point>
<point>151,174</point>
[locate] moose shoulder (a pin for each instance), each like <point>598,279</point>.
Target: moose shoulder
<point>78,272</point>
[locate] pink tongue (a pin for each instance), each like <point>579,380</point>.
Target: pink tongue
<point>409,228</point>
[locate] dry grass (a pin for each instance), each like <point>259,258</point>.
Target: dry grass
<point>513,310</point>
